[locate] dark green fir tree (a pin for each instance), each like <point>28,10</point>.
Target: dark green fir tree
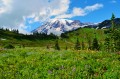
<point>95,45</point>
<point>83,45</point>
<point>107,44</point>
<point>77,45</point>
<point>57,47</point>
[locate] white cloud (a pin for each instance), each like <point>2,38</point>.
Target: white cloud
<point>93,7</point>
<point>81,11</point>
<point>63,8</point>
<point>78,12</point>
<point>13,13</point>
<point>5,6</point>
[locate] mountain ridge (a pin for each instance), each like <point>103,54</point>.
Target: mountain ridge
<point>59,26</point>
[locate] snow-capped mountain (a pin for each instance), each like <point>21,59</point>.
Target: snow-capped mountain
<point>58,26</point>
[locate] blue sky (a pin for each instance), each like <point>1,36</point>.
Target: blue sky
<point>27,15</point>
<point>110,6</point>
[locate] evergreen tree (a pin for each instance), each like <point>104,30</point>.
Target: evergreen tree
<point>77,45</point>
<point>17,31</point>
<point>89,44</point>
<point>118,45</point>
<point>116,38</point>
<point>48,47</point>
<point>110,41</point>
<point>64,35</point>
<point>66,47</point>
<point>112,36</point>
<point>57,45</point>
<point>95,45</point>
<point>112,22</point>
<point>107,44</point>
<point>83,45</point>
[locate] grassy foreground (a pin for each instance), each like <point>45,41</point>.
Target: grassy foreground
<point>41,63</point>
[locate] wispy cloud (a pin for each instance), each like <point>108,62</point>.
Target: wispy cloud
<point>93,7</point>
<point>81,11</point>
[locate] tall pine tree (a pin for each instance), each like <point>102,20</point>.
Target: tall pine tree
<point>89,44</point>
<point>57,47</point>
<point>83,45</point>
<point>95,45</point>
<point>112,40</point>
<point>77,45</point>
<point>112,22</point>
<point>114,37</point>
<point>107,44</point>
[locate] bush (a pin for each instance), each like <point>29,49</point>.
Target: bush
<point>9,46</point>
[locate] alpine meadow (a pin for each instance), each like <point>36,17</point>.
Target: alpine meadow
<point>59,39</point>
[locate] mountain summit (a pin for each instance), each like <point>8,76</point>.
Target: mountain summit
<point>58,26</point>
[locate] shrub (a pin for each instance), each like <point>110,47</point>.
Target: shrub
<point>9,46</point>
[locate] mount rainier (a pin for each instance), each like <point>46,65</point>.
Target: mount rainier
<point>58,26</point>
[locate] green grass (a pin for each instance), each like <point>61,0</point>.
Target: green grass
<point>42,63</point>
<point>86,33</point>
<point>83,35</point>
<point>37,62</point>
